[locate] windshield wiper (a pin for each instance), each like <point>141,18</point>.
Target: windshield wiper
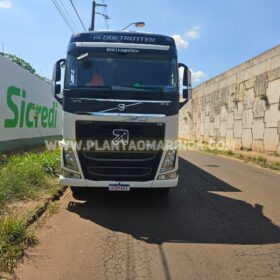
<point>92,88</point>
<point>121,88</point>
<point>142,89</point>
<point>158,88</point>
<point>161,89</point>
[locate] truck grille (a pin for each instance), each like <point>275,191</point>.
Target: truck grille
<point>123,164</point>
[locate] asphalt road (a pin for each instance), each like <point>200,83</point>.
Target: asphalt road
<point>222,222</point>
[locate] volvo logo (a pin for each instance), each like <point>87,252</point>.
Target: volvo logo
<point>121,136</point>
<point>121,107</point>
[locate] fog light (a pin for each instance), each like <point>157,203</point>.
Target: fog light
<point>69,174</point>
<point>168,176</point>
<point>169,161</point>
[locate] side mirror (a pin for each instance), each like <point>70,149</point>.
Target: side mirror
<point>57,70</point>
<point>57,78</point>
<point>57,89</point>
<point>186,94</point>
<point>187,82</point>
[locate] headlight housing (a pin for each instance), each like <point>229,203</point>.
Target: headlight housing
<point>69,174</point>
<point>69,159</point>
<point>169,161</point>
<point>168,176</point>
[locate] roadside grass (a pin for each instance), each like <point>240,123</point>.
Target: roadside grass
<point>28,176</point>
<point>53,208</point>
<point>24,177</point>
<point>14,240</point>
<point>258,160</point>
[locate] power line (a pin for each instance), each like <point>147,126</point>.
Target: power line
<point>106,13</point>
<point>67,14</point>
<point>63,16</point>
<point>103,11</point>
<point>78,15</point>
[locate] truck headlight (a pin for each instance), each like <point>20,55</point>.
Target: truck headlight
<point>168,176</point>
<point>69,159</point>
<point>169,161</point>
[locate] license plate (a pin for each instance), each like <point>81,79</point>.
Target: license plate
<point>118,188</point>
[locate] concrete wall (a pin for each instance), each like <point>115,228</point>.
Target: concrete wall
<point>240,106</point>
<point>28,112</point>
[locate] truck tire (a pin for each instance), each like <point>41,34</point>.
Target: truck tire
<point>78,192</point>
<point>163,191</point>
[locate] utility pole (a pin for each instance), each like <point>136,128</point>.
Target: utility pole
<point>94,5</point>
<point>93,16</point>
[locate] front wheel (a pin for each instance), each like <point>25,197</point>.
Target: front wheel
<point>78,192</point>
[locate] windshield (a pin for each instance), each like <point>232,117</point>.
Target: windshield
<point>86,71</point>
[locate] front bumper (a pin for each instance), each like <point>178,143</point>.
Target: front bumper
<point>105,184</point>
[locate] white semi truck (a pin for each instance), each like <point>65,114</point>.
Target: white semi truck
<point>120,103</point>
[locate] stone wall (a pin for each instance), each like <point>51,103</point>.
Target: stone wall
<point>240,106</point>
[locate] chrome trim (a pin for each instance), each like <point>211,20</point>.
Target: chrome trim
<point>100,114</point>
<point>125,106</point>
<point>122,45</point>
<point>123,100</point>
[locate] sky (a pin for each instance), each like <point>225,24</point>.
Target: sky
<point>212,36</point>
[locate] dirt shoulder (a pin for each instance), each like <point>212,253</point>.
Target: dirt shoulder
<point>28,186</point>
<point>264,160</point>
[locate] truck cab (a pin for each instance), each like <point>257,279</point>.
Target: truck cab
<point>120,99</point>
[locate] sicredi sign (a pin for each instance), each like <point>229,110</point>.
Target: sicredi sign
<point>28,114</point>
<point>27,107</point>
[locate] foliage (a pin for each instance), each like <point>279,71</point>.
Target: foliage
<point>25,65</point>
<point>23,176</point>
<point>28,175</point>
<point>259,160</point>
<point>14,239</point>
